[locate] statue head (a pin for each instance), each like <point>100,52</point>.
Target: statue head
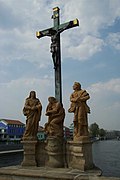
<point>77,86</point>
<point>32,94</point>
<point>52,99</point>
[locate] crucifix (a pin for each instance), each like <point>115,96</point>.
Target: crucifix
<point>54,33</point>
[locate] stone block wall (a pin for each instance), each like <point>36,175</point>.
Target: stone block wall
<point>75,155</point>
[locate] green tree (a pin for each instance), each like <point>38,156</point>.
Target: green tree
<point>102,132</point>
<point>94,130</point>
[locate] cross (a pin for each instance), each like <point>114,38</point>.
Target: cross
<point>54,33</point>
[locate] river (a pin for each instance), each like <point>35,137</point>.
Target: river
<point>106,156</point>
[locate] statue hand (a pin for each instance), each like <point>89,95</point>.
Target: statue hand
<point>79,99</point>
<point>33,108</point>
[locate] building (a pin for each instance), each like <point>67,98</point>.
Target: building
<point>112,134</point>
<point>41,133</point>
<point>71,127</point>
<point>11,130</point>
<point>66,132</point>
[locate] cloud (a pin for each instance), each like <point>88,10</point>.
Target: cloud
<point>20,20</point>
<point>86,41</point>
<point>8,20</point>
<point>115,106</point>
<point>25,60</point>
<point>87,48</point>
<point>14,93</point>
<point>18,40</point>
<point>105,103</point>
<point>112,86</point>
<point>113,40</point>
<point>23,14</point>
<point>93,16</point>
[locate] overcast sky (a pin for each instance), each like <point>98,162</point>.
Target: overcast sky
<point>90,55</point>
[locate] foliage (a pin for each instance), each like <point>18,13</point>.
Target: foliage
<point>102,132</point>
<point>94,130</point>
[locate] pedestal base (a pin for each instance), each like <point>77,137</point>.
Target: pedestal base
<point>37,173</point>
<point>41,155</point>
<point>80,155</point>
<point>29,153</point>
<point>55,152</point>
<point>81,138</point>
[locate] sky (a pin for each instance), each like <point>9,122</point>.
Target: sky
<point>90,55</point>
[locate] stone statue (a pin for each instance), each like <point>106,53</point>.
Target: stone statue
<point>80,109</point>
<point>56,115</point>
<point>32,110</point>
<point>54,47</point>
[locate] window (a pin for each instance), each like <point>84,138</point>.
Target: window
<point>3,130</point>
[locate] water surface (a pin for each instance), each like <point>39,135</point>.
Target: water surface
<point>106,155</point>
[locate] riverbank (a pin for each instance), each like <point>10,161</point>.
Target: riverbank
<point>8,147</point>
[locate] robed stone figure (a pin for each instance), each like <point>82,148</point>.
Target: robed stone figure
<point>56,115</point>
<point>32,110</point>
<point>80,109</point>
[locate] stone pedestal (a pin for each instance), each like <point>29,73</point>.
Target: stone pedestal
<point>40,173</point>
<point>79,155</point>
<point>29,153</point>
<point>81,139</point>
<point>54,150</point>
<point>40,153</point>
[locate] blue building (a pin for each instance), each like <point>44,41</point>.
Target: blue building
<point>11,130</point>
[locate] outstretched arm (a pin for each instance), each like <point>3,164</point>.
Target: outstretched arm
<point>47,32</point>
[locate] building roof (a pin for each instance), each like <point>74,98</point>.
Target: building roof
<point>9,121</point>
